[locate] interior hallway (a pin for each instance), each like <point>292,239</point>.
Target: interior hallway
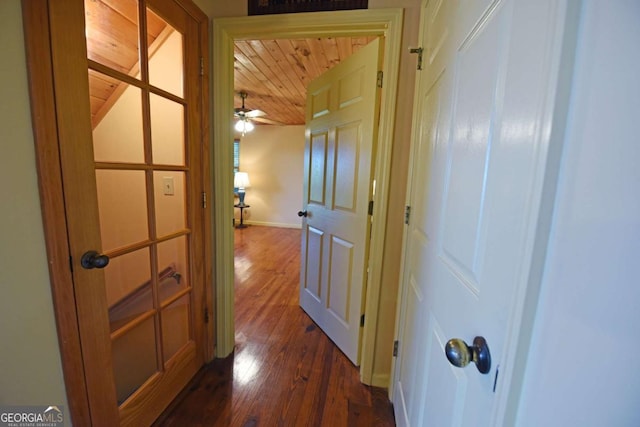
<point>284,371</point>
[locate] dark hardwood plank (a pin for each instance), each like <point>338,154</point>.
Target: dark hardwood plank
<point>284,371</point>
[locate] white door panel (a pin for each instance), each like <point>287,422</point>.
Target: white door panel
<point>340,285</point>
<point>474,193</point>
<point>313,271</point>
<point>318,161</point>
<point>342,107</point>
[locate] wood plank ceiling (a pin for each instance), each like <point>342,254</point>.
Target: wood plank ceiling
<point>274,73</point>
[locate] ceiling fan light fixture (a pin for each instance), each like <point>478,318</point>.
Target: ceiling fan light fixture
<point>244,126</point>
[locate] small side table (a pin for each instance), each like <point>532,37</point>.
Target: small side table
<point>241,207</point>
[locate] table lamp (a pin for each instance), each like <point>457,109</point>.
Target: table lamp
<point>241,181</point>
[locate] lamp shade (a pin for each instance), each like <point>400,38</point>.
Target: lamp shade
<point>241,180</point>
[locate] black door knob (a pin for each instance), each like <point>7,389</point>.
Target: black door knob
<point>460,354</point>
<point>302,213</point>
<point>93,259</point>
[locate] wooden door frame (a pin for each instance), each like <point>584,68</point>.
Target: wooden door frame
<point>380,22</point>
<point>560,32</point>
<point>40,66</point>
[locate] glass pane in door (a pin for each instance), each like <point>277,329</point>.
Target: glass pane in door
<point>116,117</point>
<point>176,314</point>
<point>173,255</point>
<point>134,357</point>
<point>112,32</point>
<point>167,131</point>
<point>175,326</point>
<point>165,47</point>
<point>122,203</point>
<point>129,288</point>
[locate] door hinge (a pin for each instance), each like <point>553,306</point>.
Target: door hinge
<point>206,315</point>
<point>380,77</point>
<point>202,66</point>
<point>370,209</point>
<point>204,200</point>
<point>362,321</point>
<point>395,348</point>
<point>417,50</point>
<point>407,214</point>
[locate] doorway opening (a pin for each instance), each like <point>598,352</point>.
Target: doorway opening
<point>385,23</point>
<point>274,153</point>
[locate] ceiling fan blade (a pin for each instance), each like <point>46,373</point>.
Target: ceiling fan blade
<point>255,113</point>
<point>244,113</point>
<point>267,121</point>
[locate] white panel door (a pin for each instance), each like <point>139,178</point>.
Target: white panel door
<point>478,160</point>
<point>342,107</point>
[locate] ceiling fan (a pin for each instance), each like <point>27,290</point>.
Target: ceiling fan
<point>245,115</point>
<point>244,112</point>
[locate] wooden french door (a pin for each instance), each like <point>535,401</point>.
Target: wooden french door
<point>127,77</point>
<point>342,121</point>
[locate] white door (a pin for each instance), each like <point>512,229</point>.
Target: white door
<point>341,131</point>
<point>478,162</point>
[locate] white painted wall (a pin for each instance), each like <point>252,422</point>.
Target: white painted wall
<point>30,369</point>
<point>583,364</point>
<point>273,157</point>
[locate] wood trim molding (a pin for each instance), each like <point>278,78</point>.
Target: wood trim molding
<point>205,132</point>
<point>45,129</point>
<point>222,163</point>
<point>381,22</point>
<point>382,175</point>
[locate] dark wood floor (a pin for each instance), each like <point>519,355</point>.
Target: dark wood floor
<point>284,371</point>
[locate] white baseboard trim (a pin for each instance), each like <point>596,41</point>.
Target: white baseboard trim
<point>273,224</point>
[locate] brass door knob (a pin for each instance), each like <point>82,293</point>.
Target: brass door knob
<point>460,354</point>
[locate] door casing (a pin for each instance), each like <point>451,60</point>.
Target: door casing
<point>45,127</point>
<point>380,22</point>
